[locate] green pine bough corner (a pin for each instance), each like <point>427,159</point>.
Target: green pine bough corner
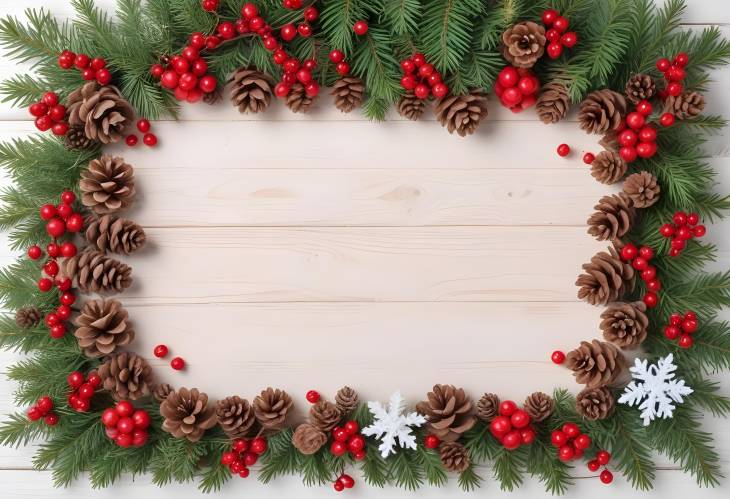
<point>618,38</point>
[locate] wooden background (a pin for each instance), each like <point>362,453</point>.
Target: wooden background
<point>312,251</point>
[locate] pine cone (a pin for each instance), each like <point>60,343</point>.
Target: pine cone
<point>539,406</point>
<point>346,400</point>
<point>101,111</point>
<point>126,376</point>
<point>608,167</point>
<point>595,403</point>
<point>609,141</point>
<point>605,278</point>
<point>187,414</point>
<point>161,392</point>
<point>685,106</point>
<point>553,103</point>
<point>77,140</point>
<point>97,273</point>
<point>324,415</point>
<point>348,92</point>
<point>448,411</point>
<point>613,218</point>
<point>602,111</point>
<point>28,317</point>
<point>271,408</point>
<point>102,327</point>
<point>107,185</point>
<point>488,407</point>
<point>411,107</point>
<point>640,87</point>
<point>625,324</point>
<point>523,44</point>
<point>596,364</point>
<point>643,189</point>
<point>298,100</point>
<point>117,235</point>
<point>454,457</point>
<point>251,90</point>
<point>308,439</point>
<point>235,415</point>
<point>462,113</point>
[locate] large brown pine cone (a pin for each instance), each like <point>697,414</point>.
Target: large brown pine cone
<point>642,188</point>
<point>539,406</point>
<point>271,408</point>
<point>596,363</point>
<point>298,100</point>
<point>626,325</point>
<point>608,167</point>
<point>77,140</point>
<point>595,403</point>
<point>126,376</point>
<point>187,414</point>
<point>107,185</point>
<point>251,90</point>
<point>324,415</point>
<point>606,278</point>
<point>462,113</point>
<point>162,391</point>
<point>97,273</point>
<point>28,317</point>
<point>488,407</point>
<point>685,106</point>
<point>308,439</point>
<point>117,235</point>
<point>235,415</point>
<point>348,92</point>
<point>640,87</point>
<point>101,111</point>
<point>346,400</point>
<point>523,44</point>
<point>601,111</point>
<point>102,327</point>
<point>411,107</point>
<point>613,218</point>
<point>454,457</point>
<point>448,411</point>
<point>553,103</point>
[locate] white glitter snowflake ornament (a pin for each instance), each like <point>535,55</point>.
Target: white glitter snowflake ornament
<point>391,424</point>
<point>657,391</point>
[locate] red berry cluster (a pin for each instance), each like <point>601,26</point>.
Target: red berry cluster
<point>639,259</point>
<point>82,390</point>
<point>244,454</point>
<point>674,74</point>
<point>43,408</point>
<point>557,33</point>
<point>348,439</point>
<point>682,327</point>
<point>517,88</point>
<point>304,29</point>
<point>422,78</point>
<point>209,5</point>
<point>344,482</point>
<point>570,441</point>
<point>186,74</point>
<point>161,351</point>
<point>91,69</point>
<point>512,428</point>
<point>684,228</point>
<point>149,139</point>
<point>602,459</point>
<point>49,114</point>
<point>126,425</point>
<point>338,59</point>
<point>638,138</point>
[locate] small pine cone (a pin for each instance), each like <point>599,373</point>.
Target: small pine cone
<point>187,414</point>
<point>101,110</point>
<point>626,325</point>
<point>596,363</point>
<point>97,273</point>
<point>251,90</point>
<point>214,97</point>
<point>117,235</point>
<point>126,376</point>
<point>346,400</point>
<point>553,103</point>
<point>28,317</point>
<point>161,392</point>
<point>685,106</point>
<point>411,107</point>
<point>235,415</point>
<point>298,100</point>
<point>640,87</point>
<point>448,411</point>
<point>454,457</point>
<point>348,92</point>
<point>608,167</point>
<point>595,403</point>
<point>488,407</point>
<point>107,185</point>
<point>102,327</point>
<point>606,278</point>
<point>77,140</point>
<point>642,188</point>
<point>462,113</point>
<point>324,415</point>
<point>523,44</point>
<point>613,218</point>
<point>271,408</point>
<point>308,439</point>
<point>602,111</point>
<point>539,406</point>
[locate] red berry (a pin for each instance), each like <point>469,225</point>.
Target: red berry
<point>549,16</point>
<point>339,486</point>
<point>644,108</point>
<point>347,481</point>
<point>360,28</point>
<point>667,119</point>
<point>431,442</point>
<point>520,419</point>
<point>51,419</point>
<point>45,285</point>
<point>75,379</point>
<point>249,459</point>
<point>313,396</point>
<point>648,134</point>
<point>563,150</point>
<point>674,89</point>
<point>627,138</point>
<point>338,448</point>
<point>51,268</point>
<point>124,408</point>
<point>508,77</point>
<point>639,263</point>
<point>343,68</point>
<point>593,465</point>
<point>177,363</point>
<point>86,391</point>
<point>38,109</point>
<point>554,50</point>
<point>558,357</point>
<point>288,32</point>
<point>35,252</point>
<point>351,427</point>
<point>651,299</point>
<point>635,120</point>
<point>528,436</point>
<point>507,408</point>
<point>699,231</point>
<point>356,443</point>
<point>512,440</point>
<point>680,218</point>
<point>53,250</point>
<point>144,125</point>
<point>589,158</point>
<point>305,30</point>
<point>60,129</point>
<point>663,64</point>
<point>131,140</point>
<point>157,70</point>
<point>228,458</point>
<point>582,441</point>
<point>566,453</point>
<point>311,14</point>
<point>628,154</point>
<point>553,35</point>
<point>571,430</point>
<point>161,351</point>
<point>527,85</point>
<point>569,39</point>
<point>240,445</point>
<point>208,84</point>
<point>170,79</point>
<point>667,230</point>
<point>44,404</point>
<point>422,91</point>
<point>558,438</point>
<point>561,24</point>
<point>75,223</point>
<point>249,11</point>
<point>337,56</point>
<point>340,435</point>
<point>64,210</point>
<point>606,476</point>
<point>511,96</point>
<point>654,285</point>
<point>675,73</point>
<point>646,149</point>
<point>66,59</point>
<point>500,426</point>
<point>82,61</point>
<point>125,425</point>
<point>689,326</point>
<point>109,418</point>
<point>440,90</point>
<point>149,139</point>
<point>682,59</point>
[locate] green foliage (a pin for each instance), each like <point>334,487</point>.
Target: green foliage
<point>446,31</point>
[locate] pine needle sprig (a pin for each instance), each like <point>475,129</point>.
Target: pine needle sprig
<point>406,469</point>
<point>434,470</point>
<point>469,480</point>
<point>446,31</point>
<point>403,16</point>
<point>509,468</point>
<point>337,18</point>
<point>543,463</point>
<point>281,457</point>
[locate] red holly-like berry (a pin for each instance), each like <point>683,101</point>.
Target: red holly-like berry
<point>682,59</point>
<point>520,419</point>
<point>569,39</point>
<point>47,211</point>
<point>170,79</point>
<point>109,418</point>
<point>75,379</point>
<point>85,391</point>
<point>280,57</point>
<point>422,91</point>
<point>63,312</point>
<point>311,14</point>
<point>582,441</point>
<point>654,285</point>
<point>305,30</point>
<point>58,331</point>
<point>528,436</point>
<point>360,28</point>
<point>440,90</point>
<point>675,73</point>
<point>663,64</point>
<point>51,319</point>
<point>646,149</point>
<point>500,426</point>
<point>161,351</point>
<point>82,61</point>
<point>667,230</point>
<point>589,158</point>
<point>57,112</point>
<point>64,210</point>
<point>508,77</point>
<point>699,231</point>
<point>639,263</point>
<point>356,443</point>
<point>340,434</point>
<point>558,438</point>
<point>249,11</point>
<point>680,218</point>
<point>103,76</point>
<point>648,134</point>
<point>282,90</point>
<point>651,299</point>
<point>675,89</point>
<point>51,419</point>
<point>667,119</point>
<point>237,466</point>
<point>131,140</point>
<point>240,445</point>
<point>606,477</point>
<point>553,35</point>
<point>141,419</point>
<point>644,108</point>
<point>157,70</point>
<point>288,32</point>
<point>337,56</point>
<point>43,123</point>
<point>66,59</point>
<point>347,481</point>
<point>53,250</point>
<point>685,341</point>
<point>342,68</point>
<point>75,223</point>
<point>338,448</point>
<point>628,154</point>
<point>549,16</point>
<point>88,74</point>
<point>566,453</point>
<point>571,430</point>
<point>351,427</point>
<point>51,268</point>
<point>150,139</point>
<point>144,125</point>
<point>45,285</point>
<point>209,5</point>
<point>689,325</point>
<point>339,486</point>
<point>431,442</point>
<point>35,252</point>
<point>228,458</point>
<point>563,150</point>
<point>125,425</point>
<point>38,109</point>
<point>627,138</point>
<point>558,357</point>
<point>208,84</point>
<point>512,440</point>
<point>507,408</point>
<point>44,404</point>
<point>124,408</point>
<point>60,129</point>
<point>528,85</point>
<point>177,364</point>
<point>554,50</point>
<point>635,120</point>
<point>693,218</point>
<point>511,97</point>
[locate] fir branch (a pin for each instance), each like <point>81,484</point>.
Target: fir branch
<point>709,354</point>
<point>175,459</point>
<point>18,431</point>
<point>281,457</point>
<point>406,469</point>
<point>480,443</point>
<point>375,63</point>
<point>705,395</point>
<point>313,468</point>
<point>403,16</point>
<point>374,468</point>
<point>434,470</point>
<point>509,466</point>
<point>705,294</point>
<point>337,18</point>
<point>446,31</point>
<point>468,480</point>
<point>543,463</point>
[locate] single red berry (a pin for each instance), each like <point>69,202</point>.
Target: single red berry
<point>667,119</point>
<point>566,453</point>
<point>593,465</point>
<point>34,414</point>
<point>682,59</point>
<point>680,218</point>
<point>431,442</point>
<point>75,379</point>
<point>161,351</point>
<point>675,89</point>
<point>150,139</point>
<point>685,341</point>
<point>86,391</point>
<point>589,158</point>
<point>35,252</point>
<point>520,419</point>
<point>569,39</point>
<point>177,363</point>
<point>347,481</point>
<point>338,448</point>
<point>259,445</point>
<point>507,408</point>
<point>606,477</point>
<point>124,408</point>
<point>582,441</point>
<point>339,486</point>
<point>571,430</point>
<point>500,426</point>
<point>103,76</point>
<point>663,64</point>
<point>558,438</point>
<point>342,68</point>
<point>563,150</point>
<point>45,285</point>
<point>549,16</point>
<point>561,24</point>
<point>651,299</point>
<point>228,458</point>
<point>131,140</point>
<point>558,357</point>
<point>699,231</point>
<point>360,28</point>
<point>512,440</point>
<point>240,445</point>
<point>109,418</point>
<point>554,50</point>
<point>141,419</point>
<point>51,419</point>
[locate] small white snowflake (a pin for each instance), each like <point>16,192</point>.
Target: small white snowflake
<point>657,390</point>
<point>391,424</point>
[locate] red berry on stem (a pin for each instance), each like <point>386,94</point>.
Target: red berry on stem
<point>249,11</point>
<point>150,139</point>
<point>571,430</point>
<point>337,56</point>
<point>305,30</point>
<point>582,441</point>
<point>144,125</point>
<point>520,419</point>
<point>508,77</point>
<point>566,453</point>
<point>161,351</point>
<point>177,363</point>
<point>45,285</point>
<point>131,140</point>
<point>635,120</point>
<point>86,391</point>
<point>606,477</point>
<point>339,486</point>
<point>651,299</point>
<point>663,64</point>
<point>569,39</point>
<point>338,448</point>
<point>500,426</point>
<point>558,357</point>
<point>103,76</point>
<point>313,396</point>
<point>699,231</point>
<point>512,440</point>
<point>603,457</point>
<point>431,442</point>
<point>593,465</point>
<point>667,119</point>
<point>170,79</point>
<point>680,218</point>
<point>628,154</point>
<point>288,32</point>
<point>549,16</point>
<point>558,438</point>
<point>554,50</point>
<point>682,59</point>
<point>561,24</point>
<point>311,14</point>
<point>422,91</point>
<point>507,408</point>
<point>75,223</point>
<point>589,158</point>
<point>35,252</point>
<point>553,35</point>
<point>343,69</point>
<point>440,90</point>
<point>563,150</point>
<point>674,89</point>
<point>360,28</point>
<point>258,445</point>
<point>627,138</point>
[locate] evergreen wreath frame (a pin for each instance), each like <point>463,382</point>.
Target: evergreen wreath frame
<point>462,39</point>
